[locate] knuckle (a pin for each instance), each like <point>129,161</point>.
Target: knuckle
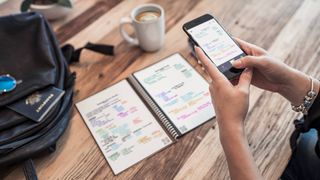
<point>264,61</point>
<point>243,92</point>
<point>261,61</point>
<point>219,80</point>
<point>247,61</point>
<point>210,87</point>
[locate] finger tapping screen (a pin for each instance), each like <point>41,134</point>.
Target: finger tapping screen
<point>215,42</point>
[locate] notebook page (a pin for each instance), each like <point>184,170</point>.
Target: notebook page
<point>181,93</point>
<point>122,126</point>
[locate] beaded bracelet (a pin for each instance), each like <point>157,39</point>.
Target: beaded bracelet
<point>307,101</point>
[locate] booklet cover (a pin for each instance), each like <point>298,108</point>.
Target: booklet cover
<point>38,105</point>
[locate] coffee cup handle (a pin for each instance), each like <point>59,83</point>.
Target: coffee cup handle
<point>124,34</point>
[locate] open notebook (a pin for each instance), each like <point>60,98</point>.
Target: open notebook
<point>148,111</point>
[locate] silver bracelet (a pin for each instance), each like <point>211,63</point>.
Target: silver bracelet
<point>307,101</point>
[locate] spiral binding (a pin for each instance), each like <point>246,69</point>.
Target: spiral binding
<point>165,121</point>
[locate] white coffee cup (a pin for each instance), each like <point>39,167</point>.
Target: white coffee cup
<point>150,34</point>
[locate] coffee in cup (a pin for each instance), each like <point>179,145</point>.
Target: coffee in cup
<point>147,16</point>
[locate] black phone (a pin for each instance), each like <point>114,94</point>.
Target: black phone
<point>206,32</point>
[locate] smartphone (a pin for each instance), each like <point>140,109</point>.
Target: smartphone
<point>206,32</point>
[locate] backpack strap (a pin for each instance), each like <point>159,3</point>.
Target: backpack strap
<point>29,170</point>
<point>73,55</point>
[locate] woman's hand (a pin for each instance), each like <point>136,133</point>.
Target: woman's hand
<point>272,74</point>
<point>230,101</point>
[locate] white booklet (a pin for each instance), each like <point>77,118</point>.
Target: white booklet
<point>146,112</point>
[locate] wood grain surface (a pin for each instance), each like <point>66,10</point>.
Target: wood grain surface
<point>288,29</point>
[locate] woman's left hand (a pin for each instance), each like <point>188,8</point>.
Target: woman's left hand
<point>230,100</point>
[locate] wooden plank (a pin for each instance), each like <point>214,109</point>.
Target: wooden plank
<point>79,7</point>
<point>10,7</point>
<point>105,24</point>
<point>83,13</point>
<point>67,30</point>
<point>13,7</point>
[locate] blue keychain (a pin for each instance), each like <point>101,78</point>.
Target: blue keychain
<point>7,83</point>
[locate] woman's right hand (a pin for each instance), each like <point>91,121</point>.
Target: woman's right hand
<point>272,74</point>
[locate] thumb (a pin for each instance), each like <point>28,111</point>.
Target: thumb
<point>245,80</point>
<point>248,62</point>
<point>212,70</point>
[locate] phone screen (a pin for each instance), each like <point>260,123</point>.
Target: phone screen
<point>215,42</point>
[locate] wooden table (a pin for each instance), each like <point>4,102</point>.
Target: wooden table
<point>288,29</point>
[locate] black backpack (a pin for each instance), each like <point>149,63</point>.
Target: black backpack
<point>29,52</point>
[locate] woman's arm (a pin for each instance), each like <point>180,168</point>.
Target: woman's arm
<point>239,157</point>
<point>231,127</point>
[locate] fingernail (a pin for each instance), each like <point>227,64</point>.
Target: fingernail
<point>195,51</point>
<point>199,62</point>
<point>235,63</point>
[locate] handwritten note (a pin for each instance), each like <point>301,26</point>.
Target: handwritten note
<point>179,90</point>
<point>122,126</point>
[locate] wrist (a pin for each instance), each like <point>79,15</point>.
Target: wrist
<point>230,131</point>
<point>309,98</point>
<point>296,88</point>
<point>229,138</point>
